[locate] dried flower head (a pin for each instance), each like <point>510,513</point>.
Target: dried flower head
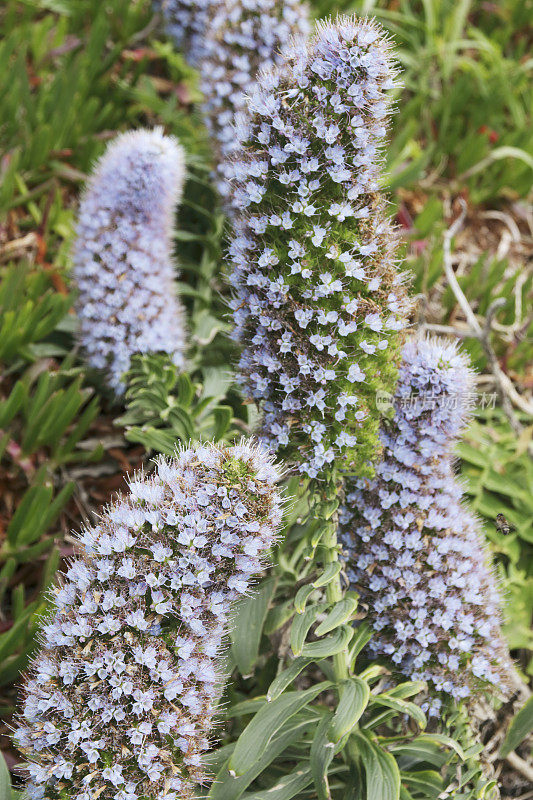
<point>416,554</point>
<point>121,700</point>
<point>319,304</point>
<point>123,265</point>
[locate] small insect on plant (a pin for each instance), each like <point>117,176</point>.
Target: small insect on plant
<point>503,525</point>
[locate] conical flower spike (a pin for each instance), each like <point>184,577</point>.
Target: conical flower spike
<point>416,554</point>
<point>123,263</point>
<point>120,702</point>
<point>319,303</point>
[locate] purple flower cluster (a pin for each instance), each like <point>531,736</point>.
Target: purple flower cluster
<point>230,41</point>
<point>319,304</point>
<point>120,702</point>
<point>188,24</point>
<point>415,553</point>
<point>244,36</point>
<point>123,264</point>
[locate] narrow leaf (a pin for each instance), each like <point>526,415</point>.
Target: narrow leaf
<point>447,741</point>
<point>407,689</point>
<point>330,645</point>
<point>249,618</point>
<point>222,416</point>
<point>329,574</point>
<point>340,613</point>
<point>424,781</point>
<point>266,722</point>
<point>301,625</point>
<point>227,787</point>
<point>354,695</point>
<point>322,752</point>
<point>285,678</point>
<point>403,706</point>
<point>5,780</point>
<point>520,726</point>
<point>278,616</point>
<point>302,596</point>
<point>362,636</point>
<point>381,771</point>
<point>289,786</point>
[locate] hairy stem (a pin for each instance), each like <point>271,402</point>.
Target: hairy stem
<point>334,590</point>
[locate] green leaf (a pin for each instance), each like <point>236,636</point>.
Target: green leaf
<point>362,636</point>
<point>153,439</point>
<point>285,678</point>
<point>301,625</point>
<point>520,726</point>
<point>246,707</point>
<point>5,780</point>
<point>381,771</point>
<point>222,416</point>
<point>206,328</point>
<point>216,381</point>
<point>326,509</point>
<point>12,404</point>
<point>372,672</point>
<point>6,573</point>
<point>321,756</point>
<point>185,389</point>
<point>329,574</point>
<point>302,596</point>
<point>335,643</point>
<point>471,454</point>
<point>249,618</point>
<point>28,514</point>
<point>402,706</point>
<point>10,639</point>
<point>426,781</point>
<point>341,612</point>
<point>407,689</point>
<point>227,787</point>
<point>502,485</point>
<point>416,752</point>
<point>507,151</point>
<point>354,695</point>
<point>181,423</point>
<point>289,786</point>
<point>317,533</point>
<point>278,616</point>
<point>441,739</point>
<point>266,722</point>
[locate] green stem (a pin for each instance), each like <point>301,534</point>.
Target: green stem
<point>334,592</point>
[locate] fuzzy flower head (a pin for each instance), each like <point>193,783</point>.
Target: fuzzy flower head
<point>121,700</point>
<point>415,553</point>
<point>319,305</point>
<point>123,265</point>
<point>244,36</point>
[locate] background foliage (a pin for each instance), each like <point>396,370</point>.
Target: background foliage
<point>72,73</point>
